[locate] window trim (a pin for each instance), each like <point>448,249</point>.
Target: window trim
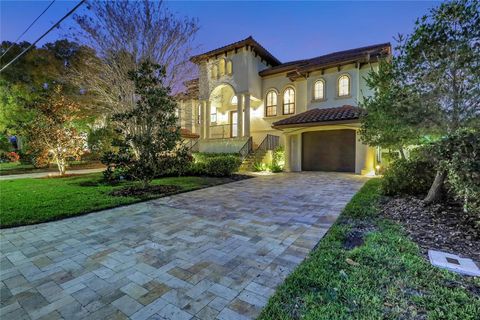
<point>290,103</point>
<point>349,86</point>
<point>324,90</point>
<point>275,107</point>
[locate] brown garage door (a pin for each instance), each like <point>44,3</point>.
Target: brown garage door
<point>328,151</point>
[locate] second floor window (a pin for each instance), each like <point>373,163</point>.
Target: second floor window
<point>344,86</point>
<point>319,90</point>
<point>199,114</point>
<point>213,114</point>
<point>289,101</point>
<point>271,105</point>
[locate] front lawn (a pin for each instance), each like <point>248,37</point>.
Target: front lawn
<point>29,201</point>
<point>367,268</point>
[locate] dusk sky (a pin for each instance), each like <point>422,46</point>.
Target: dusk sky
<point>289,30</point>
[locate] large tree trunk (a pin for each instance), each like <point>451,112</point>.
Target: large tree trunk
<point>435,192</point>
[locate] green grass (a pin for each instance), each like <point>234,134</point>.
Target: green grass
<point>391,281</point>
<point>29,201</point>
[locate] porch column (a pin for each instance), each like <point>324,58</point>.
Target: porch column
<point>240,116</point>
<point>288,151</point>
<point>201,125</point>
<point>208,118</point>
<point>246,128</point>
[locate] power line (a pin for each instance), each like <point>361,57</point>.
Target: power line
<point>43,35</point>
<point>31,24</point>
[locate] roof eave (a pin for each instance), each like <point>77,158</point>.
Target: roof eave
<point>315,124</point>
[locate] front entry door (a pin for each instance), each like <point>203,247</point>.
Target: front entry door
<point>233,124</point>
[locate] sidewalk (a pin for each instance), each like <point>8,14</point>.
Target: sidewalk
<point>46,174</point>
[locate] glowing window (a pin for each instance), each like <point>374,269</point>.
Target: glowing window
<point>289,101</point>
<point>199,114</point>
<point>319,90</point>
<point>344,86</point>
<point>271,104</point>
<point>234,100</point>
<point>213,114</point>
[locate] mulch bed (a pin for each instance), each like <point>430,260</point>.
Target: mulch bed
<point>443,227</point>
<point>138,192</point>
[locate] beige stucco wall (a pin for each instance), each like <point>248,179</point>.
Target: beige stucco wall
<point>245,79</point>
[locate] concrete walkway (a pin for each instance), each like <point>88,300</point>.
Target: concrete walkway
<point>216,253</point>
<point>47,174</point>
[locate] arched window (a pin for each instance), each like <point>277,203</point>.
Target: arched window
<point>214,71</point>
<point>221,67</point>
<point>271,104</point>
<point>289,101</point>
<point>319,90</point>
<point>343,86</point>
<point>229,67</point>
<point>234,100</point>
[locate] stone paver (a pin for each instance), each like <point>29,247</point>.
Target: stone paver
<point>216,253</point>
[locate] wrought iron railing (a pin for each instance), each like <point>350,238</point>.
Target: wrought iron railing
<point>191,144</point>
<point>270,142</point>
<point>246,149</point>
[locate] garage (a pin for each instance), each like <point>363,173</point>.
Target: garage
<point>329,150</point>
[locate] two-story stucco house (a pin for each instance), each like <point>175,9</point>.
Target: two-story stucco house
<point>245,98</point>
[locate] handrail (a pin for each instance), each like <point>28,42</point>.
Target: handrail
<point>270,142</point>
<point>246,149</point>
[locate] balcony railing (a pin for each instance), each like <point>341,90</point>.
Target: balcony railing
<point>220,131</point>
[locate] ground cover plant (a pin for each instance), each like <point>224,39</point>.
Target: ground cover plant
<point>367,268</point>
<point>28,201</point>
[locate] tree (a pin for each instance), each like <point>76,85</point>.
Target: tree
<point>149,131</point>
<point>28,79</point>
<point>389,120</point>
<point>53,130</point>
<point>442,59</point>
<point>125,33</point>
<point>438,67</point>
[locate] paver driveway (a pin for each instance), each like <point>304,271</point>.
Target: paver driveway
<point>212,253</point>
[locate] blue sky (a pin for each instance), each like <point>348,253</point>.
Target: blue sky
<point>290,30</point>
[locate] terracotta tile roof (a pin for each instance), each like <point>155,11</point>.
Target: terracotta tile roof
<point>363,54</point>
<point>259,49</point>
<point>343,113</point>
<point>186,133</point>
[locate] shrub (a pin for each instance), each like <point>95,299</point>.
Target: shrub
<point>13,156</point>
<point>259,166</point>
<point>413,176</point>
<point>222,166</point>
<point>460,154</point>
<point>274,167</point>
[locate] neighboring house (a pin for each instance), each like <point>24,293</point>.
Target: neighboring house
<point>245,96</point>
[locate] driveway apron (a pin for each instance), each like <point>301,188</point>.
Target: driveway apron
<point>215,253</point>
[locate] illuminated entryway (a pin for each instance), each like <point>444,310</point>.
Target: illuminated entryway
<point>226,114</point>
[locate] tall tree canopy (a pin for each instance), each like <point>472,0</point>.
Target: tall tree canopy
<point>438,71</point>
<point>124,34</point>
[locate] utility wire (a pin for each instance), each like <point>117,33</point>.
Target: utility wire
<point>43,35</point>
<point>31,24</point>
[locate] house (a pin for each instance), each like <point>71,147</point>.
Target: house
<point>245,99</point>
